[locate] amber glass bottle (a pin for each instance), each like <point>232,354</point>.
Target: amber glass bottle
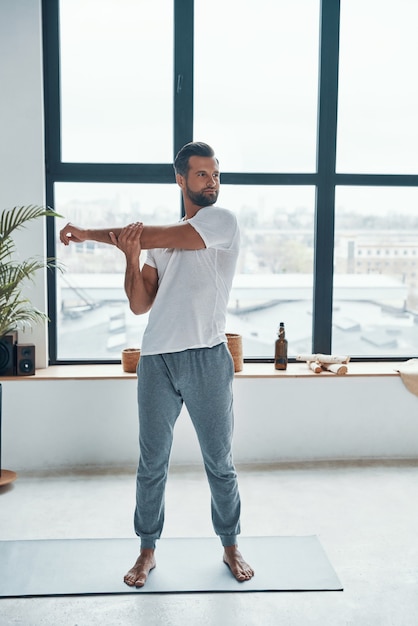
<point>280,353</point>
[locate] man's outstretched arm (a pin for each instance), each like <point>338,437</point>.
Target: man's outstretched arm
<point>74,234</point>
<point>181,235</point>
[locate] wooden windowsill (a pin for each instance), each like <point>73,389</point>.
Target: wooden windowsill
<point>250,370</point>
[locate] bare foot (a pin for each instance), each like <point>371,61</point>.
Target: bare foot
<point>138,574</point>
<point>239,568</point>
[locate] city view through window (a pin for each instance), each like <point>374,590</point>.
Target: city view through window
<point>375,282</point>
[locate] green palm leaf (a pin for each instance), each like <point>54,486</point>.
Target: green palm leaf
<point>16,311</point>
<point>11,219</point>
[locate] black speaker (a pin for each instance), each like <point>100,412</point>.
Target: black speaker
<point>7,354</point>
<point>25,359</point>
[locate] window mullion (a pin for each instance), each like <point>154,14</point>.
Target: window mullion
<point>183,73</point>
<point>51,72</point>
<point>326,159</point>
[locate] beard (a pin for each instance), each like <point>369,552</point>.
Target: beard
<point>202,199</point>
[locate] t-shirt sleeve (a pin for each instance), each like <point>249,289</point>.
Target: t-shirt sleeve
<point>149,259</point>
<point>217,227</point>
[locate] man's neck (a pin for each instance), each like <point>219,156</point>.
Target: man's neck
<point>191,211</point>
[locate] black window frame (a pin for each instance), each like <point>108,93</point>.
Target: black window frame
<point>325,179</point>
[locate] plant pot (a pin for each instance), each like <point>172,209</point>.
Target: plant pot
<point>235,347</point>
<point>130,358</point>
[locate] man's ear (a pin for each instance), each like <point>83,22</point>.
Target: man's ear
<point>181,181</point>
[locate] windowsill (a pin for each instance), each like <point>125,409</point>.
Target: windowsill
<point>250,370</point>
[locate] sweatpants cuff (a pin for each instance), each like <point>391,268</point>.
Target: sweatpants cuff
<point>228,540</point>
<point>147,544</point>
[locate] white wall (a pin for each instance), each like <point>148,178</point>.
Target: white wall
<point>21,137</point>
<point>64,423</point>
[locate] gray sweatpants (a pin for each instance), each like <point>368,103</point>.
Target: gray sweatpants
<point>202,379</point>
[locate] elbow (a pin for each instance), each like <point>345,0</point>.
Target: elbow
<point>138,309</point>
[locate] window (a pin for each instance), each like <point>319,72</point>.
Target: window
<point>94,320</point>
<point>113,108</point>
<point>374,308</point>
<point>315,129</point>
<point>256,89</point>
<point>378,98</point>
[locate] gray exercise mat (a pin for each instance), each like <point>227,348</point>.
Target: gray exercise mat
<point>66,567</point>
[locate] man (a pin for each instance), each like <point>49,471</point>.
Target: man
<point>185,282</point>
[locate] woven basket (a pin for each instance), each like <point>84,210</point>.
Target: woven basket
<point>235,348</point>
<point>130,358</point>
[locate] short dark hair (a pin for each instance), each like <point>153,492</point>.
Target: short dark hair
<point>194,148</point>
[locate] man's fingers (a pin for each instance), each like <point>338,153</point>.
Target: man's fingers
<point>131,231</point>
<point>65,234</point>
<point>64,238</point>
<point>135,228</point>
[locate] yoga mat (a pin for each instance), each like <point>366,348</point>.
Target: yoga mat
<point>66,567</point>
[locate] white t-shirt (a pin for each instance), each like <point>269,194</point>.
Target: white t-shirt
<point>189,310</point>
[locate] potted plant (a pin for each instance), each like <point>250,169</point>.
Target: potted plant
<point>16,311</point>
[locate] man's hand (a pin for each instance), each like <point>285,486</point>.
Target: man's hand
<point>129,240</point>
<point>72,233</point>
<point>140,285</point>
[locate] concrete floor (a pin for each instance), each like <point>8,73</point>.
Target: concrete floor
<point>366,517</point>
